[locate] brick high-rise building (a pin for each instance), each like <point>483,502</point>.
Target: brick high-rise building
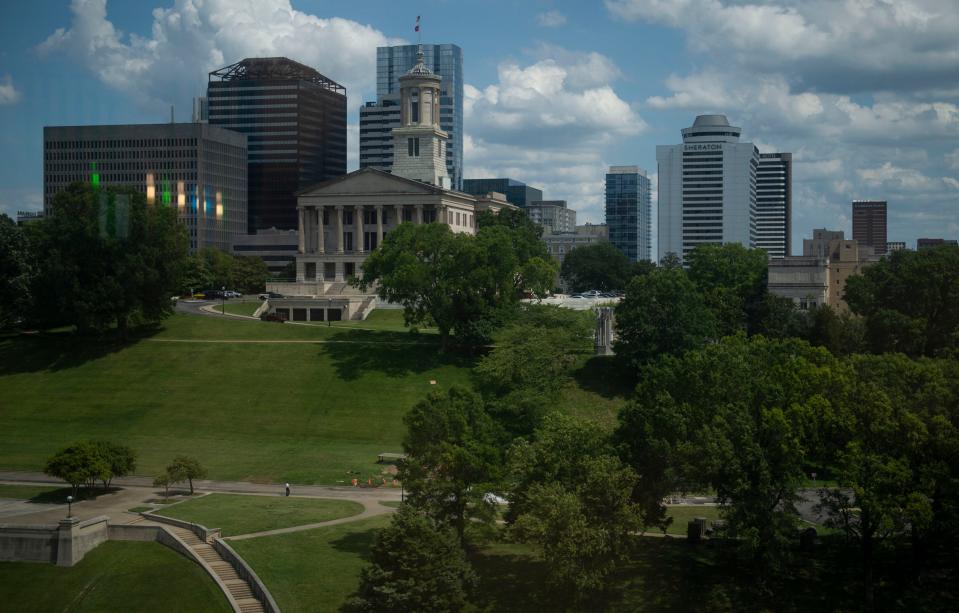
<point>869,224</point>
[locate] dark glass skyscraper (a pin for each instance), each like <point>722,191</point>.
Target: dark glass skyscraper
<point>295,122</point>
<point>774,195</point>
<point>377,119</point>
<point>629,211</point>
<point>516,192</point>
<point>869,224</point>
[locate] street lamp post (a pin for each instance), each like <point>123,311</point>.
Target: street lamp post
<point>223,300</point>
<point>69,507</point>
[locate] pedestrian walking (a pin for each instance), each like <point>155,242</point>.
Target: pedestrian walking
<point>287,489</point>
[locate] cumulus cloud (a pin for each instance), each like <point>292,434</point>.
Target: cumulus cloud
<point>843,46</point>
<point>551,19</point>
<point>546,122</point>
<point>193,37</point>
<point>8,93</point>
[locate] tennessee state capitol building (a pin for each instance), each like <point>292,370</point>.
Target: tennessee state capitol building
<point>342,220</point>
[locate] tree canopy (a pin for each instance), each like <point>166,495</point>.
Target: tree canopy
<point>601,266</point>
<point>16,273</point>
<point>105,257</point>
<point>910,301</point>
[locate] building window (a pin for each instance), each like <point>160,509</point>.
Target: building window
<point>407,214</point>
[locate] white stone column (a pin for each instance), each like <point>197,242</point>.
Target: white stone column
<point>358,224</point>
<point>379,225</point>
<point>300,232</point>
<point>300,270</point>
<point>339,229</point>
<point>441,214</point>
<point>418,218</point>
<point>320,231</point>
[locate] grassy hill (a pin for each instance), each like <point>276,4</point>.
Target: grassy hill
<point>252,400</point>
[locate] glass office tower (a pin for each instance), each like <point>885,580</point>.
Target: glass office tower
<point>295,122</point>
<point>629,211</point>
<point>377,119</point>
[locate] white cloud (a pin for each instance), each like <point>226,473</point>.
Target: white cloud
<point>547,123</point>
<point>951,182</point>
<point>551,19</point>
<point>842,46</point>
<point>897,179</point>
<point>952,159</point>
<point>8,93</point>
<point>194,37</point>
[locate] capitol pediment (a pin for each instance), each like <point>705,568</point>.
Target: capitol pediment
<point>368,181</point>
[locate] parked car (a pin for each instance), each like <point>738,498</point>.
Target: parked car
<point>215,294</point>
<point>272,317</point>
<point>269,295</point>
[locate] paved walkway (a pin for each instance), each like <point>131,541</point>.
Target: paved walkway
<point>370,509</point>
<point>136,490</point>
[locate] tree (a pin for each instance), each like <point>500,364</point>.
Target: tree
<point>185,468</point>
<point>164,480</point>
<point>121,459</point>
<point>79,464</point>
<point>601,266</point>
<point>840,333</point>
<point>195,276</point>
<point>250,274</point>
<point>732,280</point>
<point>416,564</point>
<point>104,257</point>
<point>661,313</point>
<point>530,364</point>
<point>220,265</point>
<point>451,458</point>
<point>16,272</point>
<point>572,498</point>
<point>910,300</point>
<point>464,284</point>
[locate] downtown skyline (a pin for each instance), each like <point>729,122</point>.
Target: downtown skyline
<point>555,92</point>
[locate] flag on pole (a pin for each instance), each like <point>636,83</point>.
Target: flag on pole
<point>417,28</point>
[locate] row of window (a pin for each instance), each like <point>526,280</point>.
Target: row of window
<point>117,143</point>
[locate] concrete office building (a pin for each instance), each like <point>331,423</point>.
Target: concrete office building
<point>869,224</point>
<point>379,118</point>
<point>818,277</point>
<point>516,192</point>
<point>553,215</point>
<point>707,188</point>
<point>198,168</point>
<point>342,220</point>
<point>774,204</point>
<point>295,122</point>
<point>277,248</point>
<point>629,211</point>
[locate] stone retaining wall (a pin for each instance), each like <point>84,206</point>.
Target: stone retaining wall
<point>245,572</point>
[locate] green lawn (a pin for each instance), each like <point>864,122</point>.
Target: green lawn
<point>244,307</point>
<point>116,576</point>
<point>314,570</point>
<point>239,514</point>
<point>317,410</point>
<point>684,514</point>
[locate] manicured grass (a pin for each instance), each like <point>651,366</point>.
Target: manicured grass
<point>116,576</point>
<point>27,492</point>
<point>244,307</point>
<point>317,410</point>
<point>383,319</point>
<point>239,514</point>
<point>314,570</point>
<point>682,515</point>
<point>297,412</point>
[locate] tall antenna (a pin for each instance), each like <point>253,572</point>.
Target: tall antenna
<point>171,114</point>
<point>419,35</point>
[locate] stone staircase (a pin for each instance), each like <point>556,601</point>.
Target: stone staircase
<point>364,309</point>
<point>336,289</point>
<point>239,589</point>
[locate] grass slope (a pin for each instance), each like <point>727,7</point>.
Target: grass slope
<point>239,514</point>
<point>116,576</point>
<point>298,412</point>
<point>314,570</point>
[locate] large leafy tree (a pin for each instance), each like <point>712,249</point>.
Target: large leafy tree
<point>525,372</point>
<point>601,266</point>
<point>572,497</point>
<point>732,279</point>
<point>82,463</point>
<point>910,300</point>
<point>465,284</point>
<point>416,564</point>
<point>452,458</point>
<point>662,313</point>
<point>16,272</point>
<point>105,257</point>
<point>250,274</point>
<point>740,416</point>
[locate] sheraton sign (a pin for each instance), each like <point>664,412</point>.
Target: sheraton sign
<point>703,147</point>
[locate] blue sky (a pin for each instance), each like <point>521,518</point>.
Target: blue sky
<point>863,92</point>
